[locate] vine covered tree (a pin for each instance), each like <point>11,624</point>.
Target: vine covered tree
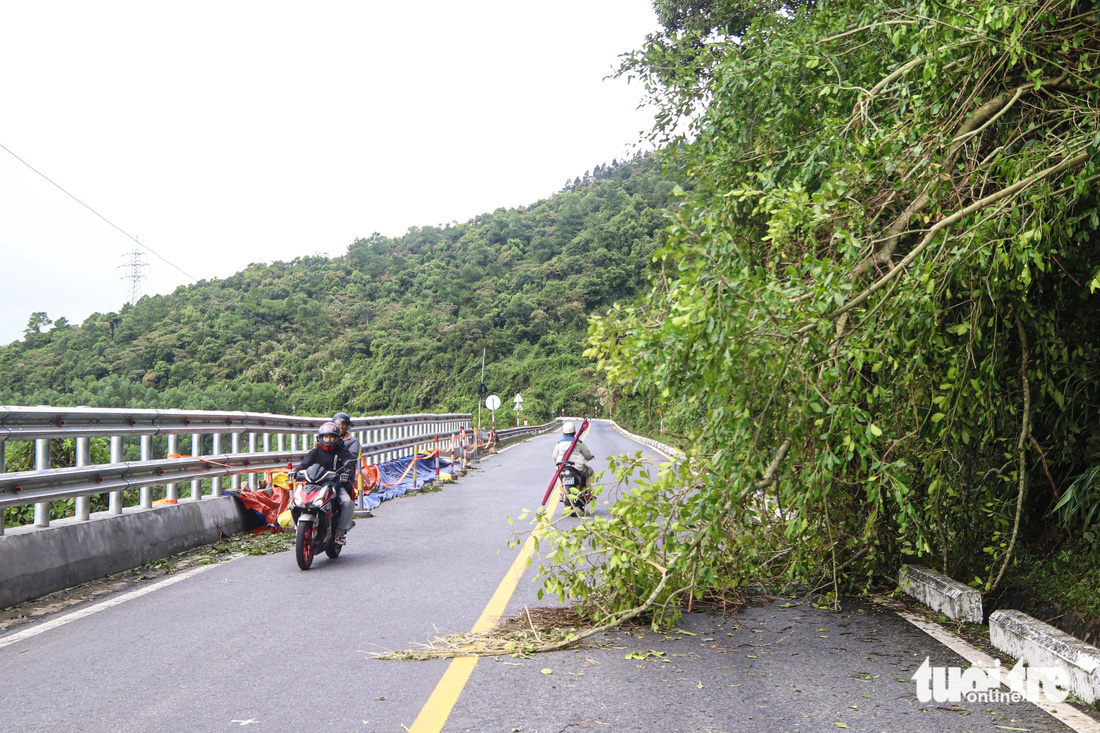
<point>877,300</point>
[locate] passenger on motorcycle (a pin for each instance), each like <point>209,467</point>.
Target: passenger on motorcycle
<point>331,453</point>
<point>343,422</point>
<point>580,453</point>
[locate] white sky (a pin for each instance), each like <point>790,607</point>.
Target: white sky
<point>238,131</point>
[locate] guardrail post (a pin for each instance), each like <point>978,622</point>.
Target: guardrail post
<point>235,447</point>
<point>83,458</point>
<point>252,482</point>
<point>171,491</point>
<point>114,501</point>
<point>294,442</point>
<point>280,442</point>
<point>146,492</point>
<point>216,450</point>
<point>3,469</point>
<point>42,463</point>
<point>196,451</point>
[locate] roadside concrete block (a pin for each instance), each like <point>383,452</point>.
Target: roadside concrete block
<point>941,593</point>
<point>36,561</point>
<point>1041,645</point>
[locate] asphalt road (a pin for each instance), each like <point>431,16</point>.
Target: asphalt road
<point>258,644</point>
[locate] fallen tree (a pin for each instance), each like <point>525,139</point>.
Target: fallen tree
<point>877,300</point>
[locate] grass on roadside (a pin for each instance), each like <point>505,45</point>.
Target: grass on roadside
<point>1070,576</point>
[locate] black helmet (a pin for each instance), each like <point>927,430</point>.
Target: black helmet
<point>328,436</point>
<point>343,422</point>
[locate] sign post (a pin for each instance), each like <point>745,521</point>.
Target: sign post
<point>493,403</point>
<point>518,400</point>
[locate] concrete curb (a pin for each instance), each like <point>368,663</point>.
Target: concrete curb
<point>1014,633</point>
<point>37,561</point>
<point>663,447</point>
<point>1041,645</point>
<point>941,593</point>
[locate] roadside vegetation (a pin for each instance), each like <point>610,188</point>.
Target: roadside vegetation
<point>876,304</point>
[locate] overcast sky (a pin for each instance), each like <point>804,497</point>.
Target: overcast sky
<point>230,132</point>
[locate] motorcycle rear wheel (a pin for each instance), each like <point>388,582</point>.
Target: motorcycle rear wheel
<point>333,550</point>
<point>303,545</point>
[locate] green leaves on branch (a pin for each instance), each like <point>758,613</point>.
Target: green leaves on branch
<point>881,193</point>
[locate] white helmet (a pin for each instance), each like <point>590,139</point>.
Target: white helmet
<point>568,428</point>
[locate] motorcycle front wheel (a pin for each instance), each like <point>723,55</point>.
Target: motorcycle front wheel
<point>303,545</point>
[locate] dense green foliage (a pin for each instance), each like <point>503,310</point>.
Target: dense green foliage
<point>395,325</point>
<point>877,300</point>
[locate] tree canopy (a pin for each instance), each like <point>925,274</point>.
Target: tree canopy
<point>876,304</point>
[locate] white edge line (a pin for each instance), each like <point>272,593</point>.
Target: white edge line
<point>1066,714</point>
<point>631,436</point>
<point>82,613</point>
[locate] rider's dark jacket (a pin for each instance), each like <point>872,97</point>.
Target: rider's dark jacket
<point>332,459</point>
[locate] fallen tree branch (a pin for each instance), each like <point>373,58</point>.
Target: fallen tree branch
<point>1077,160</point>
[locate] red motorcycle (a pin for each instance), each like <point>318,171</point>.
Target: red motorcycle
<point>314,507</point>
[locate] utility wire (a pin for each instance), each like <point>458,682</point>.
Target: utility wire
<point>124,232</point>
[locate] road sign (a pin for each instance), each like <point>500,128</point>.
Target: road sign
<point>492,402</point>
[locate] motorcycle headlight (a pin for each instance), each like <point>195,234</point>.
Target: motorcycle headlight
<point>318,502</point>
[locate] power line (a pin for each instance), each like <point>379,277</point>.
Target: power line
<point>101,216</point>
<point>132,299</point>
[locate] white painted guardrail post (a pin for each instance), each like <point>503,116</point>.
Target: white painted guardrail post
<point>3,469</point>
<point>196,451</point>
<point>42,463</point>
<point>215,450</point>
<point>146,492</point>
<point>252,477</point>
<point>235,448</point>
<point>114,501</point>
<point>83,509</point>
<point>171,491</point>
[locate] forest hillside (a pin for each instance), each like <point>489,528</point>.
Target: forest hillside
<point>394,325</point>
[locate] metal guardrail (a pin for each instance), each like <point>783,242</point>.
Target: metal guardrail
<point>506,434</point>
<point>30,487</point>
<point>33,423</point>
<point>382,438</point>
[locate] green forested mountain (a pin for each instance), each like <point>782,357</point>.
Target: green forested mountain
<point>394,325</point>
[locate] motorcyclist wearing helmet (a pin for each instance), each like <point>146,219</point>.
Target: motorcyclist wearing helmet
<point>331,453</point>
<point>343,422</point>
<point>580,453</point>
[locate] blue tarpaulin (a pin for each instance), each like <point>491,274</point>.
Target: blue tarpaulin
<point>393,485</point>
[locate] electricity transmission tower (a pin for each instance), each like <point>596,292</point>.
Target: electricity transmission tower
<point>134,273</point>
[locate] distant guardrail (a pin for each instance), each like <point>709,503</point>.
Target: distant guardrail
<point>383,438</point>
<point>507,434</point>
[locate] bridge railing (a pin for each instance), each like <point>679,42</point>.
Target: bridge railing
<point>383,438</point>
<point>507,434</point>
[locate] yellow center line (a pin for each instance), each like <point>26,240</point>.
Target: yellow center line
<point>433,716</point>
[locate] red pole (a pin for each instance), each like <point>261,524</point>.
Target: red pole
<point>564,458</point>
<point>437,458</point>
